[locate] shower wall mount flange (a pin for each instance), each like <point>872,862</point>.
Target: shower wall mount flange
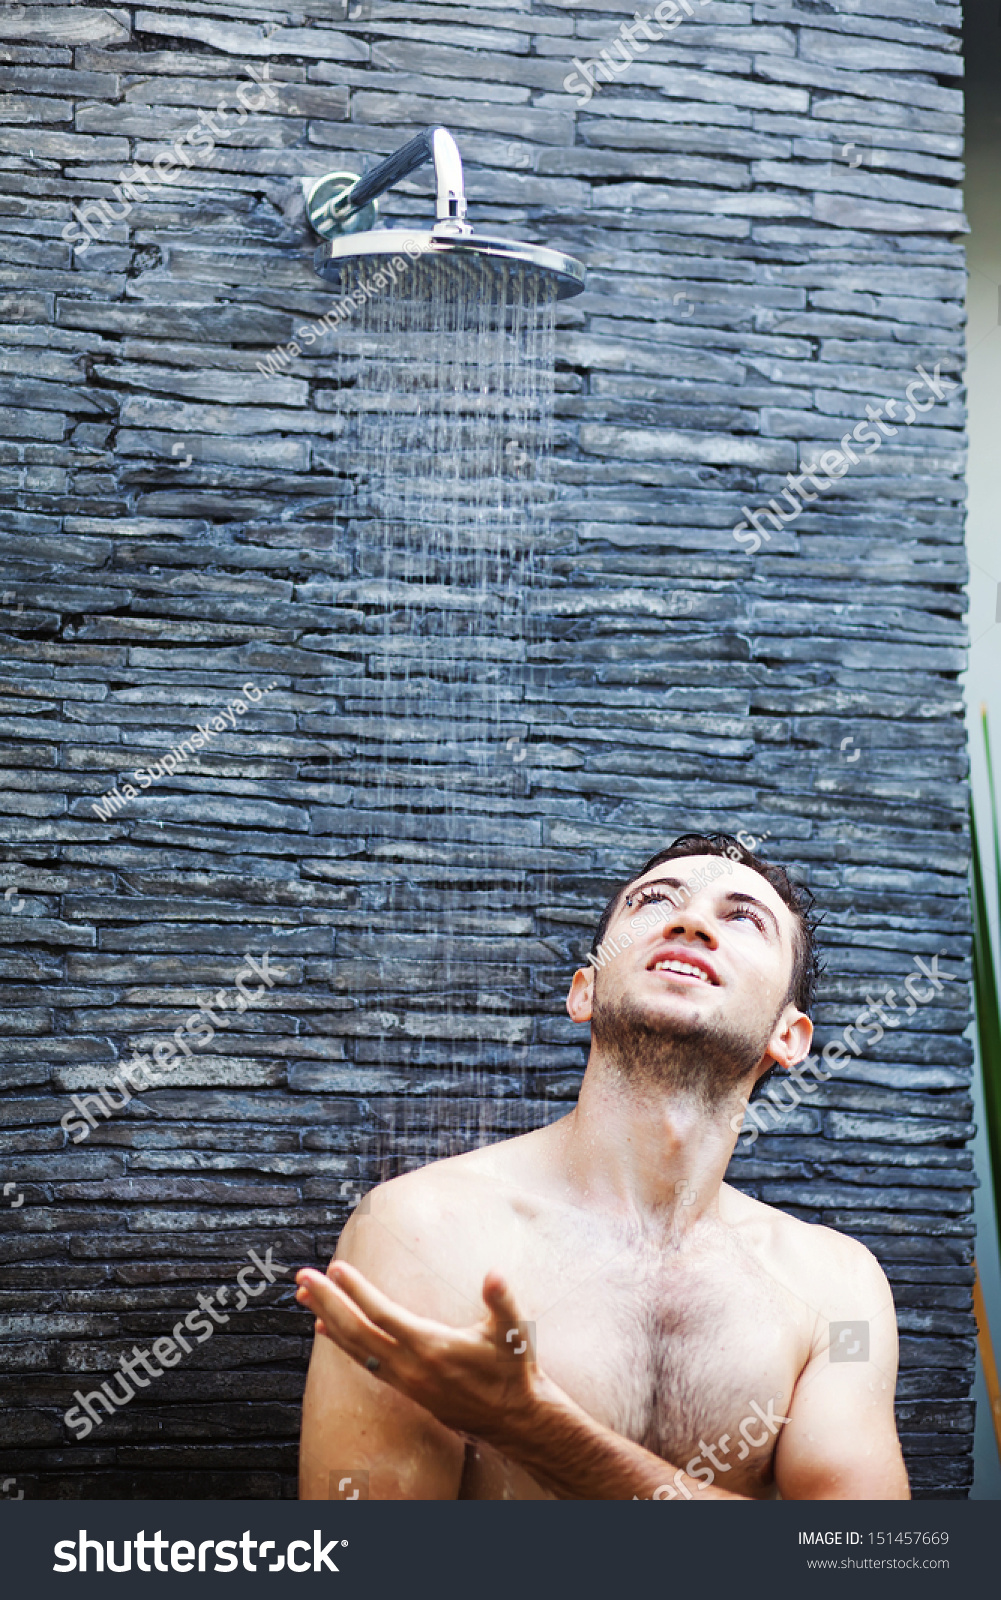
<point>322,196</point>
<point>342,208</point>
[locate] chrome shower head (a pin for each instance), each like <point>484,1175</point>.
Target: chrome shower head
<point>342,209</point>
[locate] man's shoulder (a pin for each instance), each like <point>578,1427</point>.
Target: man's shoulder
<point>429,1236</point>
<point>480,1185</point>
<point>815,1253</point>
<point>441,1191</point>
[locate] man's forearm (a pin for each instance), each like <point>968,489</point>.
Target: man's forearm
<point>576,1458</point>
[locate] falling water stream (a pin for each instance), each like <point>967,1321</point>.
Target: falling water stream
<point>445,392</point>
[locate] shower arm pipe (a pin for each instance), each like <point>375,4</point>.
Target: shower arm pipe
<point>434,144</point>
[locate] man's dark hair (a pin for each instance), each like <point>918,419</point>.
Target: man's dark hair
<point>806,967</point>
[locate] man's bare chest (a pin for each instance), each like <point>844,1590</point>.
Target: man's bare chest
<point>689,1350</point>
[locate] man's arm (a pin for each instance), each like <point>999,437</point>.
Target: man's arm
<point>840,1442</point>
<point>577,1458</point>
<point>353,1424</point>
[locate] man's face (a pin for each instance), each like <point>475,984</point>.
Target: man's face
<point>698,997</point>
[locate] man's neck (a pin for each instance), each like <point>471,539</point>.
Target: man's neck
<point>649,1150</point>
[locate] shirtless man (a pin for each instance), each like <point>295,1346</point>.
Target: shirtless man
<point>588,1311</point>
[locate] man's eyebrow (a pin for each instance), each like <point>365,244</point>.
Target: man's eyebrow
<point>656,883</point>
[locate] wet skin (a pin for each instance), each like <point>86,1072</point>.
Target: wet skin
<point>681,1341</point>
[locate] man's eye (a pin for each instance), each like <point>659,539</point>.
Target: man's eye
<point>752,916</point>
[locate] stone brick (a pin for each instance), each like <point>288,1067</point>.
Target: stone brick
<point>747,295</point>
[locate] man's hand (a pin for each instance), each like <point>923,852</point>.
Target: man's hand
<point>481,1380</point>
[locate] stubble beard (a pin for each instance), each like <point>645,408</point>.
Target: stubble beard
<point>703,1059</point>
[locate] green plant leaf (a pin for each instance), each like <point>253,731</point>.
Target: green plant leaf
<point>994,803</point>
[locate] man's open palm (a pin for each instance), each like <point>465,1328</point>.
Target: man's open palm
<point>478,1380</point>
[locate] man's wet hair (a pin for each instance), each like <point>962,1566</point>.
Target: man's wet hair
<point>806,965</point>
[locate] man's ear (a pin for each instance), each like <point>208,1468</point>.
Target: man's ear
<point>790,1041</point>
<point>581,994</point>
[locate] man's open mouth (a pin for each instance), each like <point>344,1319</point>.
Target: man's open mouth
<point>678,967</point>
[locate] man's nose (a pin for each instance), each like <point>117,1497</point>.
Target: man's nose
<point>689,923</point>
